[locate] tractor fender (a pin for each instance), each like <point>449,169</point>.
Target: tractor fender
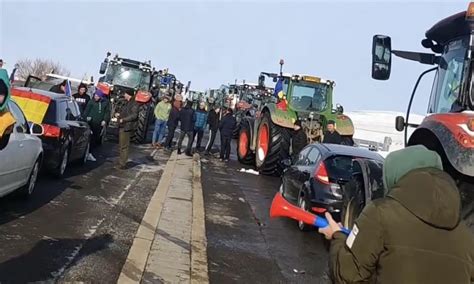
<point>344,125</point>
<point>143,97</point>
<point>448,135</point>
<point>280,117</point>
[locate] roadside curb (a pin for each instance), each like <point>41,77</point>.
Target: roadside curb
<point>132,270</point>
<point>199,265</point>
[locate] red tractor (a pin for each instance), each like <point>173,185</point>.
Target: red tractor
<point>449,126</point>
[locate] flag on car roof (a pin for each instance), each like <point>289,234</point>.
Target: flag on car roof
<point>67,89</point>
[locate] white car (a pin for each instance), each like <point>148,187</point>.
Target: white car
<point>21,159</point>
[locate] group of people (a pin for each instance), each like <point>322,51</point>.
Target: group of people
<point>171,114</point>
<point>95,111</point>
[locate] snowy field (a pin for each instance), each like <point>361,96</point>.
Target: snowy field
<point>376,125</point>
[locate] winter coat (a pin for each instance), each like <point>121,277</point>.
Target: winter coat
<point>213,120</point>
<point>98,111</point>
<point>82,101</point>
<point>173,118</point>
<point>298,141</point>
<point>187,118</point>
<point>129,116</point>
<point>227,125</point>
<point>201,119</point>
<point>332,138</point>
<point>162,111</point>
<point>413,235</point>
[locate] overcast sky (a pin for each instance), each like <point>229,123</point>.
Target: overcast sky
<point>211,43</point>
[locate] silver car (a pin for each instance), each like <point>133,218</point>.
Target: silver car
<point>21,159</point>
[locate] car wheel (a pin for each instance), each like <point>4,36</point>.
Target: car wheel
<point>28,189</point>
<point>63,164</point>
<point>304,205</point>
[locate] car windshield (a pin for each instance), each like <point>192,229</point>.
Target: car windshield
<point>309,97</point>
<point>127,77</point>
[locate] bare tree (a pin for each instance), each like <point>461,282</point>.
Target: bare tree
<point>39,68</point>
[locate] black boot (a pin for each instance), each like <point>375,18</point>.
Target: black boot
<point>179,151</point>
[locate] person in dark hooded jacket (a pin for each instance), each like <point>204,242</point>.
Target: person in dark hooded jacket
<point>173,121</point>
<point>299,139</point>
<point>187,118</point>
<point>81,97</point>
<point>413,235</point>
<point>226,128</point>
<point>331,136</point>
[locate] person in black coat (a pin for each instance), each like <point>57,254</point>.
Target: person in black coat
<point>226,127</point>
<point>213,121</point>
<point>187,117</point>
<point>331,136</point>
<point>172,123</point>
<point>299,139</point>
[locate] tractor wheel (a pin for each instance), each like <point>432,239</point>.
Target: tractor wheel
<point>244,154</point>
<point>142,124</point>
<point>273,145</point>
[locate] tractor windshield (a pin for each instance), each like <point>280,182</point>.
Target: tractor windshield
<point>309,97</point>
<point>128,77</point>
<point>448,81</point>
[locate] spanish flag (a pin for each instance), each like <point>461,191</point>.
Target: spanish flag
<point>33,105</point>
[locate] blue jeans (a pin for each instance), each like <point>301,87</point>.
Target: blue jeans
<point>159,132</point>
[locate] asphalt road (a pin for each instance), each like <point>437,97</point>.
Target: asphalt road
<point>244,244</point>
<point>79,228</point>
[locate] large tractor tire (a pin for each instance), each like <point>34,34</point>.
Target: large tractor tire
<point>466,190</point>
<point>244,154</point>
<point>140,134</point>
<point>273,145</point>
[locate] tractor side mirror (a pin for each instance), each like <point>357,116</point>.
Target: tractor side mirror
<point>103,67</point>
<point>261,81</point>
<point>381,57</point>
<point>400,123</point>
<point>339,109</point>
<point>275,79</point>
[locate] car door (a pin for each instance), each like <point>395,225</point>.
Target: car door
<point>292,175</point>
<point>69,112</point>
<point>307,169</point>
<point>27,145</point>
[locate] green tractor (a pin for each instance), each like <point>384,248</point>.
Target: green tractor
<point>264,140</point>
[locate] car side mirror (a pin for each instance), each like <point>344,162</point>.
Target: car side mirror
<point>286,162</point>
<point>36,129</point>
<point>400,123</point>
<point>381,57</point>
<point>103,67</point>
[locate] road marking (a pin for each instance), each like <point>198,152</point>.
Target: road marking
<point>199,265</point>
<point>134,266</point>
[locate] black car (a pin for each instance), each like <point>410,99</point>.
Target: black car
<point>334,178</point>
<point>66,136</point>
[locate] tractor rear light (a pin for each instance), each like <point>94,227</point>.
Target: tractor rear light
<point>321,174</point>
<point>51,131</point>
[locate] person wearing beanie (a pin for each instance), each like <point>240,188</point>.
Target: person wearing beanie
<point>81,97</point>
<point>412,235</point>
<point>299,139</point>
<point>331,136</point>
<point>97,114</point>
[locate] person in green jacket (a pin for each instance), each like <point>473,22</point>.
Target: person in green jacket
<point>162,112</point>
<point>412,235</point>
<point>97,113</point>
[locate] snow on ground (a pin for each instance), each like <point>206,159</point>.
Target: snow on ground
<point>376,125</point>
